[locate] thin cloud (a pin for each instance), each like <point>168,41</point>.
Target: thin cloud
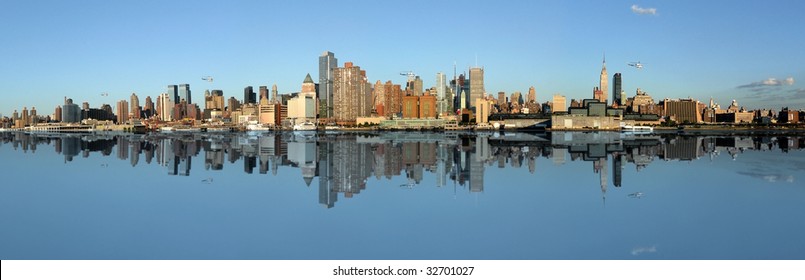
<point>770,82</point>
<point>644,11</point>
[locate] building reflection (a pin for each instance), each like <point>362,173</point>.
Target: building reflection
<point>343,162</point>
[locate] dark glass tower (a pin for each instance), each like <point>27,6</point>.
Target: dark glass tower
<point>249,96</point>
<point>616,89</point>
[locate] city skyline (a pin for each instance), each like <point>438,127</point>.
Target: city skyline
<point>101,53</point>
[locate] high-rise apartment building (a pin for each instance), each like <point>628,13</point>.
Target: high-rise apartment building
<point>351,94</point>
<point>476,85</point>
<point>122,111</point>
<point>441,93</point>
<point>327,62</point>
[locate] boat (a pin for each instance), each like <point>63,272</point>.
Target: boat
<point>641,128</point>
<point>305,126</point>
<point>254,126</point>
<point>179,128</point>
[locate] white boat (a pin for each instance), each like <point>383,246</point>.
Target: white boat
<point>305,126</point>
<point>625,127</point>
<point>254,126</point>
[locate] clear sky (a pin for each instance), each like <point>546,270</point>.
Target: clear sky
<point>746,50</point>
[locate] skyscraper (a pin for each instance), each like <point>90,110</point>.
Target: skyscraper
<point>135,106</point>
<point>327,62</point>
<point>616,89</point>
<point>532,95</point>
<point>184,93</point>
<point>165,107</point>
<point>173,93</point>
<point>604,84</point>
<point>249,96</point>
<point>441,88</point>
<point>476,85</point>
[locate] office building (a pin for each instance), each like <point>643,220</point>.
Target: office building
<point>327,62</point>
<point>173,92</point>
<point>165,104</point>
<point>476,85</point>
<point>249,97</point>
<point>71,113</point>
<point>617,90</point>
<point>184,93</point>
<point>302,108</point>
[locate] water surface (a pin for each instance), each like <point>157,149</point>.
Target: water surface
<point>402,196</point>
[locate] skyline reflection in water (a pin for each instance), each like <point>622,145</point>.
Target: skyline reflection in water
<point>491,174</point>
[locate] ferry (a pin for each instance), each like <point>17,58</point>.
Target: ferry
<point>254,126</point>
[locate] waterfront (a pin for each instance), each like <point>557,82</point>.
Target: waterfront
<point>559,195</point>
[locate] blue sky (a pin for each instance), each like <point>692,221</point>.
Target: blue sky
<point>745,50</point>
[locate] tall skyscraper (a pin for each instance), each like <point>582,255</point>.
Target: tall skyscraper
<point>476,85</point>
<point>249,97</point>
<point>173,92</point>
<point>441,92</point>
<point>275,92</point>
<point>165,107</point>
<point>604,84</point>
<point>135,106</point>
<point>327,62</point>
<point>352,93</point>
<point>184,93</point>
<point>616,89</point>
<point>532,95</point>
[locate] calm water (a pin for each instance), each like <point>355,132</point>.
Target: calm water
<point>402,196</point>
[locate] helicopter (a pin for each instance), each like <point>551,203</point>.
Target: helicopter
<point>637,65</point>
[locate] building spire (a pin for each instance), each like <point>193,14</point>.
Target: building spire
<point>605,60</point>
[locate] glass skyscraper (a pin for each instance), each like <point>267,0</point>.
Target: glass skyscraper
<point>184,93</point>
<point>327,62</point>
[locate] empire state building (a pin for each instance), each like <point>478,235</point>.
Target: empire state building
<point>604,84</point>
